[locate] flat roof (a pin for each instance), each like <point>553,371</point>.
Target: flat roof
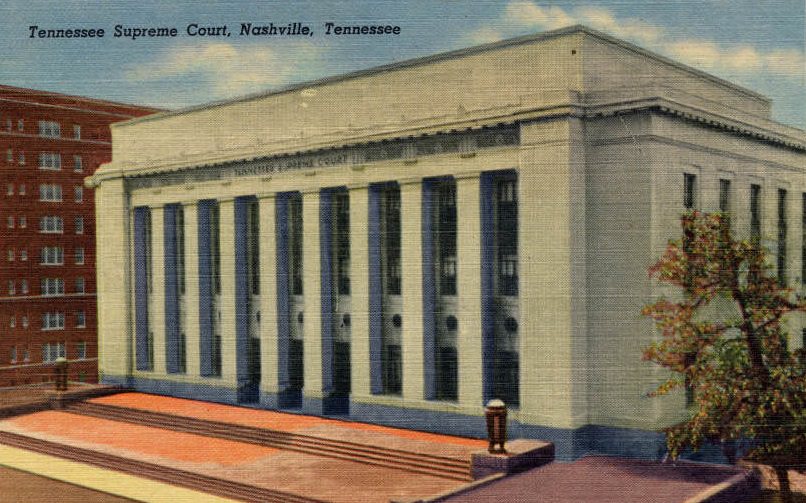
<point>451,55</point>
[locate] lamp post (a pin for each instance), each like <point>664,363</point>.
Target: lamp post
<point>61,374</point>
<point>496,414</point>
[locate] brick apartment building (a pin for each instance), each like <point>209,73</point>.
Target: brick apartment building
<point>48,143</point>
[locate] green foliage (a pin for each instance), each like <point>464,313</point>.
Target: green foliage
<point>746,383</point>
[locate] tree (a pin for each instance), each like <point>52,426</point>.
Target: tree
<point>724,340</point>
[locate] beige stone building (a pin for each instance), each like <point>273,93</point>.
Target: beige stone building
<point>402,244</point>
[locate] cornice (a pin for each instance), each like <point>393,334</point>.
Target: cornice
<point>571,108</point>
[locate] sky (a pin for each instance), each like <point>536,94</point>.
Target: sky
<point>758,44</point>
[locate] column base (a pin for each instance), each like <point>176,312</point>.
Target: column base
<point>332,405</point>
<point>521,455</point>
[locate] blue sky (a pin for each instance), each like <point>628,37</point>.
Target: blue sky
<point>758,44</point>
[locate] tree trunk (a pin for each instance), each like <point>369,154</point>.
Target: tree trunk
<point>783,484</point>
<point>729,451</point>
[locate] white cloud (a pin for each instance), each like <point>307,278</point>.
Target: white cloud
<point>485,35</point>
<point>530,14</point>
<point>743,59</point>
<point>707,55</point>
<point>786,62</point>
<point>228,70</point>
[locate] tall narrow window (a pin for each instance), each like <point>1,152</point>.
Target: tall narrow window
<point>254,247</point>
<point>755,212</point>
<point>215,236</point>
<point>724,196</point>
<point>507,238</point>
<point>782,231</point>
<point>295,215</point>
<point>341,201</point>
<point>215,265</point>
<point>78,164</point>
<point>446,321</point>
<point>506,343</point>
<point>391,239</point>
<point>689,188</point>
<point>142,290</point>
<point>76,132</point>
<point>391,356</point>
<point>446,237</point>
<point>180,248</point>
<point>149,277</point>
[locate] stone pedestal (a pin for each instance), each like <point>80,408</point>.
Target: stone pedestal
<point>521,455</point>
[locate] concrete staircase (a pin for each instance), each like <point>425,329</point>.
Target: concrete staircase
<point>182,478</point>
<point>447,467</point>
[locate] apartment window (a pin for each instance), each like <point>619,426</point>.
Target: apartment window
<point>20,125</point>
<point>80,285</point>
<point>10,189</point>
<point>79,256</point>
<point>755,212</point>
<point>50,192</point>
<point>21,157</point>
<point>78,194</point>
<point>13,354</point>
<point>689,188</point>
<point>51,287</point>
<point>50,160</point>
<point>52,321</point>
<point>76,131</point>
<point>78,164</point>
<point>9,155</point>
<point>10,222</point>
<point>22,189</point>
<point>52,255</point>
<point>26,356</point>
<point>23,222</point>
<point>11,255</point>
<point>81,319</point>
<point>79,223</point>
<point>12,322</point>
<point>25,325</point>
<point>23,255</point>
<point>11,288</point>
<point>49,129</point>
<point>724,195</point>
<point>53,350</point>
<point>782,228</point>
<point>51,225</point>
<point>24,286</point>
<point>8,124</point>
<point>81,350</point>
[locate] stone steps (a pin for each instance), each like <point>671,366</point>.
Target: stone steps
<point>182,478</point>
<point>453,468</point>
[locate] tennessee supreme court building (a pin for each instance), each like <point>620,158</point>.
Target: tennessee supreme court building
<point>402,244</point>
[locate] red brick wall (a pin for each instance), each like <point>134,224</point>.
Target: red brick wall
<point>21,312</point>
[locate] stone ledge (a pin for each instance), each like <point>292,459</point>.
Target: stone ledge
<point>521,455</point>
